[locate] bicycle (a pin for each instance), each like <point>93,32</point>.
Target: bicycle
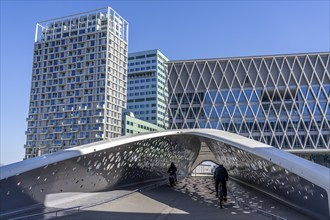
<point>172,179</point>
<point>220,195</point>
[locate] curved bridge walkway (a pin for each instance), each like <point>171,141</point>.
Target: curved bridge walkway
<point>191,198</point>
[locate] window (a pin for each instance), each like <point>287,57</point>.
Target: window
<point>151,55</point>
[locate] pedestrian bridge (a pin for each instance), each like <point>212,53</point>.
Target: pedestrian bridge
<point>107,165</point>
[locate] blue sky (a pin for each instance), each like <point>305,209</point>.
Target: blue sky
<point>180,29</point>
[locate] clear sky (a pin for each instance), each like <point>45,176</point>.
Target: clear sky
<point>180,29</point>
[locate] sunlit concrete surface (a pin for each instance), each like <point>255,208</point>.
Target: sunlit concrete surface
<point>107,165</point>
<point>192,198</point>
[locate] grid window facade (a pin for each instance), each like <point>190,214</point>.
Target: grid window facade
<point>79,75</point>
<point>282,101</point>
<point>147,89</point>
<point>132,125</point>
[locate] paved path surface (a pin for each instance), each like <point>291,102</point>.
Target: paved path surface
<point>248,197</point>
<point>192,198</point>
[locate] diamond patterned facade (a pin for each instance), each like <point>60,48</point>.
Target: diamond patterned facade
<point>280,100</point>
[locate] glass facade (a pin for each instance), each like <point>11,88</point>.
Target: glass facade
<point>78,89</point>
<point>147,91</point>
<point>282,101</point>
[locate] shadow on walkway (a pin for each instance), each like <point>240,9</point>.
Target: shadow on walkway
<point>191,198</point>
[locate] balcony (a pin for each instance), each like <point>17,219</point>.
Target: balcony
<point>45,117</point>
<point>68,108</point>
<point>30,118</point>
<point>59,116</point>
<point>75,115</point>
<point>97,128</point>
<point>57,143</point>
<point>75,128</point>
<point>50,137</point>
<point>29,131</point>
<point>31,138</point>
<point>29,144</point>
<point>52,110</point>
<point>100,106</point>
<point>67,122</point>
<point>43,144</point>
<point>33,112</point>
<point>51,123</point>
<point>99,134</point>
<point>82,121</point>
<point>58,130</point>
<point>67,136</point>
<point>44,131</point>
<point>74,142</point>
<point>82,135</point>
<point>83,107</point>
<point>99,120</point>
<point>98,113</point>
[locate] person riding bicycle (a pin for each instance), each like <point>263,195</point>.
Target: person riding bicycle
<point>172,171</point>
<point>221,175</point>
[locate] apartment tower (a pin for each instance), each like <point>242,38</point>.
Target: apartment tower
<point>78,88</point>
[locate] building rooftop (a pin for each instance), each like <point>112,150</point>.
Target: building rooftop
<point>248,57</point>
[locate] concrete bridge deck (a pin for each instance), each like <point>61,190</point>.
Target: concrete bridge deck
<point>191,198</point>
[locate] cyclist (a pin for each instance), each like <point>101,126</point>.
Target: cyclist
<point>221,175</point>
<point>172,171</point>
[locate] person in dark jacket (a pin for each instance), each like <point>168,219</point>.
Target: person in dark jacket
<point>221,175</point>
<point>172,171</point>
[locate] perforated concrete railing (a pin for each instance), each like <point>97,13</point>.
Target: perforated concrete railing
<point>110,164</point>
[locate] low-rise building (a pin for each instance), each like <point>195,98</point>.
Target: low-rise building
<point>132,125</point>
